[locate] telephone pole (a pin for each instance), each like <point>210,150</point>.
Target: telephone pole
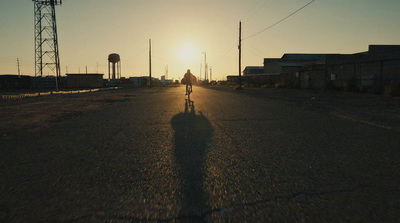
<point>18,66</point>
<point>150,61</point>
<point>201,67</point>
<point>210,74</point>
<point>205,66</point>
<point>240,54</point>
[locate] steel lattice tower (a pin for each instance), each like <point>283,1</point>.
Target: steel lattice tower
<point>46,40</point>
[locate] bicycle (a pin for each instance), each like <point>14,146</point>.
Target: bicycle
<point>188,91</point>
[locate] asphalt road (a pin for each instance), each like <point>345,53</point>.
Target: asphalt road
<point>226,156</point>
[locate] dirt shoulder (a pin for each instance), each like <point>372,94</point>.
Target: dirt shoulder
<point>31,114</point>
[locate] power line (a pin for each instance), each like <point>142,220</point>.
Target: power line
<point>143,51</point>
<point>253,52</point>
<point>226,52</point>
<point>252,8</point>
<point>280,20</point>
<point>257,10</point>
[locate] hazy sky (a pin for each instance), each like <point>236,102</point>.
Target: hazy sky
<point>180,30</point>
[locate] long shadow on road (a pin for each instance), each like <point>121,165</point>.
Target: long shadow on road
<point>193,134</point>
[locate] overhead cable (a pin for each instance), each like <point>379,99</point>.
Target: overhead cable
<point>255,5</point>
<point>280,20</point>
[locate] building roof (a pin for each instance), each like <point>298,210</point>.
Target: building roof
<point>384,51</point>
<point>384,47</point>
<point>360,53</point>
<point>303,57</point>
<point>299,60</point>
<point>264,74</point>
<point>85,74</point>
<point>254,67</point>
<point>272,60</point>
<point>13,76</point>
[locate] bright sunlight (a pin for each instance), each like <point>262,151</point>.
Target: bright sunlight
<point>189,53</point>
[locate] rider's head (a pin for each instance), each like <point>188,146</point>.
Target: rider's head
<point>188,71</point>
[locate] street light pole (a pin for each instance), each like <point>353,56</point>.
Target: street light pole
<point>210,74</point>
<point>240,54</point>
<point>150,61</point>
<point>205,66</point>
<point>201,67</point>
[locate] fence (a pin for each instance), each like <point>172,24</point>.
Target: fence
<point>19,96</point>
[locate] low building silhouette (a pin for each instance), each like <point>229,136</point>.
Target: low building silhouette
<point>89,80</point>
<point>11,81</point>
<point>371,70</point>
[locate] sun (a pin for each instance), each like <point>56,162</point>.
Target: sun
<point>188,53</point>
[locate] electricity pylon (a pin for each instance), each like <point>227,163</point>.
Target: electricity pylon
<point>46,40</point>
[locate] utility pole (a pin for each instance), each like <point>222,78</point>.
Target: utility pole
<point>201,66</point>
<point>210,74</point>
<point>240,54</point>
<point>150,61</point>
<point>18,66</point>
<point>207,72</point>
<point>205,66</point>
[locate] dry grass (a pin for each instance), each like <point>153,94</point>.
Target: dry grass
<point>30,114</point>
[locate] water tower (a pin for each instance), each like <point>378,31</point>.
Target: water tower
<point>114,59</point>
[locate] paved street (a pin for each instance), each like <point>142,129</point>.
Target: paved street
<point>225,156</point>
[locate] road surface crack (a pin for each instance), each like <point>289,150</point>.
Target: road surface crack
<point>283,198</point>
<point>223,209</point>
<point>235,142</point>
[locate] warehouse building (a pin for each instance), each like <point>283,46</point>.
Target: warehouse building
<point>89,80</point>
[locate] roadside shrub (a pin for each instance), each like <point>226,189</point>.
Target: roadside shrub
<point>393,89</point>
<point>264,86</point>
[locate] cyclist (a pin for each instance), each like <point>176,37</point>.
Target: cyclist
<point>188,77</point>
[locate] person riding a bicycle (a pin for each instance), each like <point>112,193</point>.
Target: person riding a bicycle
<point>188,81</point>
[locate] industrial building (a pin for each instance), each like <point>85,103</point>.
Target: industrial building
<point>253,70</point>
<point>89,80</point>
<point>372,70</point>
<point>367,71</point>
<point>269,74</point>
<point>10,81</point>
